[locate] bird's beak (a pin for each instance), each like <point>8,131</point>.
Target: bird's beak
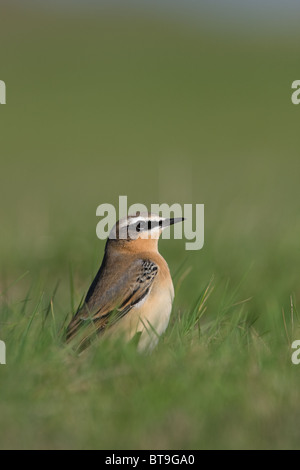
<point>168,222</point>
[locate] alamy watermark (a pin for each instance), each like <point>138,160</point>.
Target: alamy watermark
<point>296,354</point>
<point>296,94</point>
<point>2,92</point>
<point>192,215</point>
<point>2,352</point>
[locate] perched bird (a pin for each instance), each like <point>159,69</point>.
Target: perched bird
<point>132,292</point>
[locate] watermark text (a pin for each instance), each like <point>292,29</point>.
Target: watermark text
<point>2,352</point>
<point>296,94</point>
<point>296,354</point>
<point>163,216</point>
<point>2,92</point>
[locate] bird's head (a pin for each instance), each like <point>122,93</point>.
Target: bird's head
<point>143,228</point>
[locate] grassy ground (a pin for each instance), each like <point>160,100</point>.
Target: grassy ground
<point>116,104</point>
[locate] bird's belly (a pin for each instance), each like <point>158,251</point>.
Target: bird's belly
<point>153,318</point>
<point>150,317</point>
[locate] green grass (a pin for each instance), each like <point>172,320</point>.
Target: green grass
<point>211,383</point>
<point>107,105</point>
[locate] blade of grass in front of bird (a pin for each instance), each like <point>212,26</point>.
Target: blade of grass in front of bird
<point>71,279</point>
<point>193,318</point>
<point>48,310</point>
<point>29,324</point>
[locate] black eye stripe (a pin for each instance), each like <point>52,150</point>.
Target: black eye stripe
<point>155,224</point>
<point>141,226</point>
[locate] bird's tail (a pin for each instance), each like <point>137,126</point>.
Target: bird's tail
<point>72,328</point>
<point>80,331</point>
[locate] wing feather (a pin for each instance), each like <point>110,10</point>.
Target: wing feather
<point>111,296</point>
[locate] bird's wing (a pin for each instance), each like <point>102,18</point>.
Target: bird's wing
<point>113,296</point>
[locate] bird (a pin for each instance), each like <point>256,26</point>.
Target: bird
<point>132,293</point>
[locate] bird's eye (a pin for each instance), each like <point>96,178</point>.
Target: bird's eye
<point>141,226</point>
<point>149,225</point>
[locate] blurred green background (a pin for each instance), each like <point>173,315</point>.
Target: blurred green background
<point>112,101</point>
